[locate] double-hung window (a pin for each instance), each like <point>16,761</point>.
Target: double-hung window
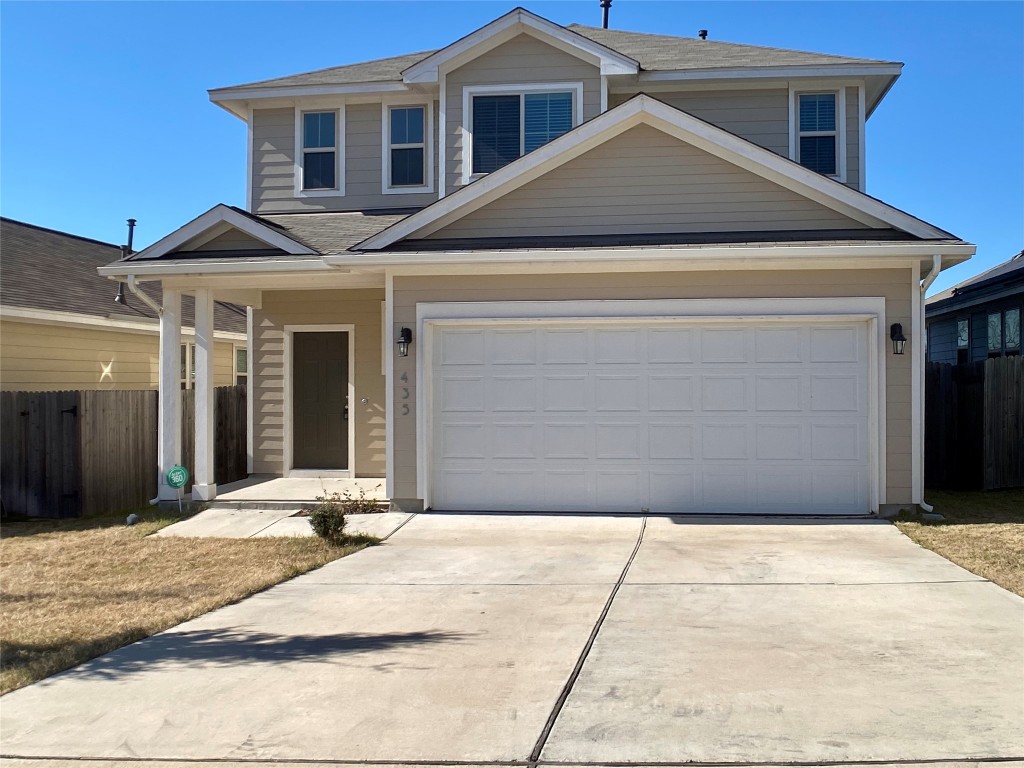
<point>818,132</point>
<point>407,148</point>
<point>505,126</point>
<point>319,151</point>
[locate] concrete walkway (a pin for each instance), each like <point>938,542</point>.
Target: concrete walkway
<point>577,640</point>
<point>233,523</point>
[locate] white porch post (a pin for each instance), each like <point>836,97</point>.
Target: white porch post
<point>169,448</point>
<point>204,487</point>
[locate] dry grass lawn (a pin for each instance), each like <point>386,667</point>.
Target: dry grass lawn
<point>73,590</point>
<point>983,532</point>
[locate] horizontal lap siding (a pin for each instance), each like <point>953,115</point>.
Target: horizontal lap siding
<point>273,168</point>
<point>233,240</point>
<point>38,357</point>
<point>361,308</point>
<point>893,285</point>
<point>645,181</point>
<point>524,59</point>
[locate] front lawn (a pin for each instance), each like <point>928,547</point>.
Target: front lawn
<point>983,531</point>
<point>72,590</point>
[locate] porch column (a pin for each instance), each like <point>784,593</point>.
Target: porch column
<point>169,416</point>
<point>204,488</point>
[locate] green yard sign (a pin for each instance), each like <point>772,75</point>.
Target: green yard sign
<point>177,476</point>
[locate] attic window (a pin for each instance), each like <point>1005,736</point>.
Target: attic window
<point>507,124</point>
<point>818,133</point>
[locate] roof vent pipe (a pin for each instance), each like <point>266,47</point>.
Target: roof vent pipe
<point>605,5</point>
<point>702,34</point>
<point>131,235</point>
<point>126,251</point>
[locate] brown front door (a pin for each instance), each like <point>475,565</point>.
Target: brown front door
<point>320,400</point>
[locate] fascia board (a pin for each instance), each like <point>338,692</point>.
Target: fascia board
<point>785,73</point>
<point>611,62</point>
<point>703,135</point>
<point>154,269</point>
<point>226,95</point>
<point>217,215</point>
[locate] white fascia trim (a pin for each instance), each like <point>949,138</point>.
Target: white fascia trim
<point>509,89</point>
<point>220,213</point>
<point>158,269</point>
<point>411,100</point>
<point>866,309</point>
<point>828,70</point>
<point>78,320</point>
<point>221,96</point>
<point>644,109</point>
<point>339,152</point>
<point>610,61</point>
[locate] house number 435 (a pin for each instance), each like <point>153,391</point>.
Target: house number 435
<point>405,393</point>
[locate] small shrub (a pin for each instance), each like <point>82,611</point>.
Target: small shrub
<point>329,515</point>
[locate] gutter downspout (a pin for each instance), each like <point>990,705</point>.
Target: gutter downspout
<point>134,288</point>
<point>925,285</point>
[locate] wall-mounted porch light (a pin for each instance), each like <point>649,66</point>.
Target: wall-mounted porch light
<point>403,341</point>
<point>899,341</point>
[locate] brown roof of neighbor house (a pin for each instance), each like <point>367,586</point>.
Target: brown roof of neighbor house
<point>652,52</point>
<point>46,269</point>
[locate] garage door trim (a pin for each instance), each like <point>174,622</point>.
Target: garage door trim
<point>870,310</point>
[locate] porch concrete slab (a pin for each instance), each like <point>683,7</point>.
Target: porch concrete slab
<point>496,549</point>
<point>316,671</point>
<point>226,523</point>
<point>23,763</point>
<point>376,524</point>
<point>800,673</point>
<point>720,550</point>
<point>268,488</point>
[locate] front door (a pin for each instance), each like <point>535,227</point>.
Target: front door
<point>320,400</point>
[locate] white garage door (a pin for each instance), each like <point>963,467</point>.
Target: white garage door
<point>660,416</point>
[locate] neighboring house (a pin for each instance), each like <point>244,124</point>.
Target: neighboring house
<point>978,318</point>
<point>61,329</point>
<point>567,268</point>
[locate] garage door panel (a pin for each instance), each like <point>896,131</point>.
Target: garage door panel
<point>670,417</point>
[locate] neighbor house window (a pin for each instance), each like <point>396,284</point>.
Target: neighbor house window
<point>995,333</point>
<point>963,340</point>
<point>319,150</point>
<point>505,126</point>
<point>1004,333</point>
<point>241,365</point>
<point>818,134</point>
<point>408,155</point>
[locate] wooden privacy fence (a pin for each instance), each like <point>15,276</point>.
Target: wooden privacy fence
<point>974,424</point>
<point>65,454</point>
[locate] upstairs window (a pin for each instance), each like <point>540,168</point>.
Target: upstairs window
<point>818,134</point>
<point>407,147</point>
<point>319,151</point>
<point>505,126</point>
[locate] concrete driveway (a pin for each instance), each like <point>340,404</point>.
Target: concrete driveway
<point>488,638</point>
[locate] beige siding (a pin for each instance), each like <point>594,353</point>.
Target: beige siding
<point>524,59</point>
<point>894,285</point>
<point>361,308</point>
<point>645,181</point>
<point>852,139</point>
<point>760,116</point>
<point>273,168</point>
<point>39,357</point>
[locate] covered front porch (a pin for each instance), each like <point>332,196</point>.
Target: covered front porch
<point>270,491</point>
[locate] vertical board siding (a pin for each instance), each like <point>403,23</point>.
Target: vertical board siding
<point>892,284</point>
<point>273,163</point>
<point>640,182</point>
<point>358,307</point>
<point>523,59</point>
<point>65,454</point>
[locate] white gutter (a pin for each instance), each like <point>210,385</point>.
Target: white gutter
<point>925,285</point>
<point>134,288</point>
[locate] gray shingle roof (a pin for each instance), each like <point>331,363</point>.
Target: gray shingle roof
<point>50,270</point>
<point>1008,270</point>
<point>653,52</point>
<point>332,233</point>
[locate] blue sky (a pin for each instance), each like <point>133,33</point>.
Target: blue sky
<point>104,112</point>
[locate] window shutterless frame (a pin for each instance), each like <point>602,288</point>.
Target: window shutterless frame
<point>387,106</point>
<point>839,134</point>
<point>516,89</point>
<point>338,149</point>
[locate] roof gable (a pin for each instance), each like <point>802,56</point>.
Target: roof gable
<point>639,110</point>
<point>516,22</point>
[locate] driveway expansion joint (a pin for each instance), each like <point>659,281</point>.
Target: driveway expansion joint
<point>574,675</point>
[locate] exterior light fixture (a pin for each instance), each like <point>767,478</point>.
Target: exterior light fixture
<point>899,341</point>
<point>403,341</point>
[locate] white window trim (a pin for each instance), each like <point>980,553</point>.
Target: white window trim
<point>510,89</point>
<point>339,153</point>
<point>794,125</point>
<point>385,142</point>
<point>870,310</point>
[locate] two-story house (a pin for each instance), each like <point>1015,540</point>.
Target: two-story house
<point>567,268</point>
